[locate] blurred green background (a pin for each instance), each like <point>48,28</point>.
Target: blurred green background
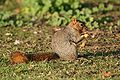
<point>95,13</point>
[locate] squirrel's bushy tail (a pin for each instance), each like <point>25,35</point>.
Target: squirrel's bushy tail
<point>19,57</point>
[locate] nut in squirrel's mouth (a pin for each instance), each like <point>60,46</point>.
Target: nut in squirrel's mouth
<point>85,35</point>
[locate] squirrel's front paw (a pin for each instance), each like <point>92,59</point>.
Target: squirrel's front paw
<point>85,35</point>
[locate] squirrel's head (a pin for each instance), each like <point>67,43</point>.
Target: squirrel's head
<point>78,26</point>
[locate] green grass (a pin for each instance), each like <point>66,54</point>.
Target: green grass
<point>83,69</point>
<point>92,66</point>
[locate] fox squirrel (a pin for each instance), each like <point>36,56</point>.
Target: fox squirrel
<point>64,41</point>
<point>63,44</point>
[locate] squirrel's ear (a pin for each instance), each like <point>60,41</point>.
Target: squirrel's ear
<point>74,20</point>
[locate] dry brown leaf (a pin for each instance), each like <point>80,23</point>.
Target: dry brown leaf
<point>107,74</point>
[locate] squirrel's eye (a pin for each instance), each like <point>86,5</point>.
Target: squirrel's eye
<point>82,24</point>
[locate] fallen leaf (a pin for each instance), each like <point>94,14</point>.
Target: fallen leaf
<point>107,74</point>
